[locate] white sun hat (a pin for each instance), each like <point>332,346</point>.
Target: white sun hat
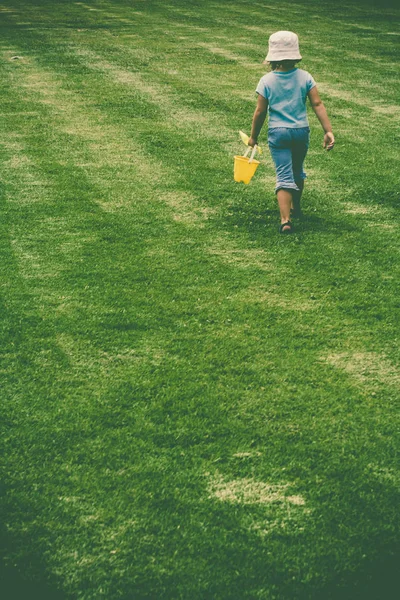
<point>283,45</point>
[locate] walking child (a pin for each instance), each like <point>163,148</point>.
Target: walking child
<point>282,94</point>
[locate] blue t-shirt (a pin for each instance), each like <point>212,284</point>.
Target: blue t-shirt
<point>286,93</point>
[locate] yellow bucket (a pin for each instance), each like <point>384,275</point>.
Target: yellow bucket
<point>244,168</point>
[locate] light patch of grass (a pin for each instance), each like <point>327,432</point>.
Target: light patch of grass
<point>226,54</point>
<point>363,26</point>
<point>88,7</point>
<point>372,215</point>
<point>86,357</point>
<point>335,91</point>
<point>30,262</point>
<point>13,145</point>
<point>361,209</point>
<point>384,473</point>
<point>35,264</point>
<point>368,368</point>
<point>250,258</point>
<point>376,61</point>
<point>384,226</point>
<point>260,295</point>
<point>21,170</point>
<point>246,454</point>
<point>250,491</point>
<point>190,28</point>
<point>18,162</point>
<point>25,113</point>
<point>185,209</point>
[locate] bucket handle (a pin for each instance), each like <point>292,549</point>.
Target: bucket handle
<point>253,151</point>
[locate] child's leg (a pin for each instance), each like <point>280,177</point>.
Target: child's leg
<point>299,151</point>
<point>280,145</point>
<point>297,197</point>
<point>285,199</point>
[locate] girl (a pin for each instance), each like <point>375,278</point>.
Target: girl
<point>283,93</point>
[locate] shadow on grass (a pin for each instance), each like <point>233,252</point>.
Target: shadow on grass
<point>257,221</point>
<point>311,222</point>
<point>379,580</point>
<point>27,577</point>
<point>15,587</point>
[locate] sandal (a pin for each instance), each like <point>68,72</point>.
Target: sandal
<point>286,227</point>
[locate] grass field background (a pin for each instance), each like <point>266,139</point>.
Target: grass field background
<point>193,406</point>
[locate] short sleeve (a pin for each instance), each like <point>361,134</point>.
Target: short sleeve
<point>261,89</point>
<point>310,83</point>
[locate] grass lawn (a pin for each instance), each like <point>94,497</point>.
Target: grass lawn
<point>193,406</point>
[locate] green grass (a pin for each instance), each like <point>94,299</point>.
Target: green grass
<point>192,405</point>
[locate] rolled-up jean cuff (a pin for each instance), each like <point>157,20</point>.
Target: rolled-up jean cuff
<point>286,186</point>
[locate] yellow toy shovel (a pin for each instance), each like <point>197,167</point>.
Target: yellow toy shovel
<point>245,139</point>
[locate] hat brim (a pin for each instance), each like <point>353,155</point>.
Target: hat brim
<point>271,57</point>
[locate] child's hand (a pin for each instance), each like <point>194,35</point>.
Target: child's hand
<point>329,140</point>
<point>252,142</point>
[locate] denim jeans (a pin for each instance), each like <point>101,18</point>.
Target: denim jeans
<point>288,147</point>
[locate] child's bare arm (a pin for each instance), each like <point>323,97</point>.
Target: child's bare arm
<point>258,119</point>
<point>320,110</point>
